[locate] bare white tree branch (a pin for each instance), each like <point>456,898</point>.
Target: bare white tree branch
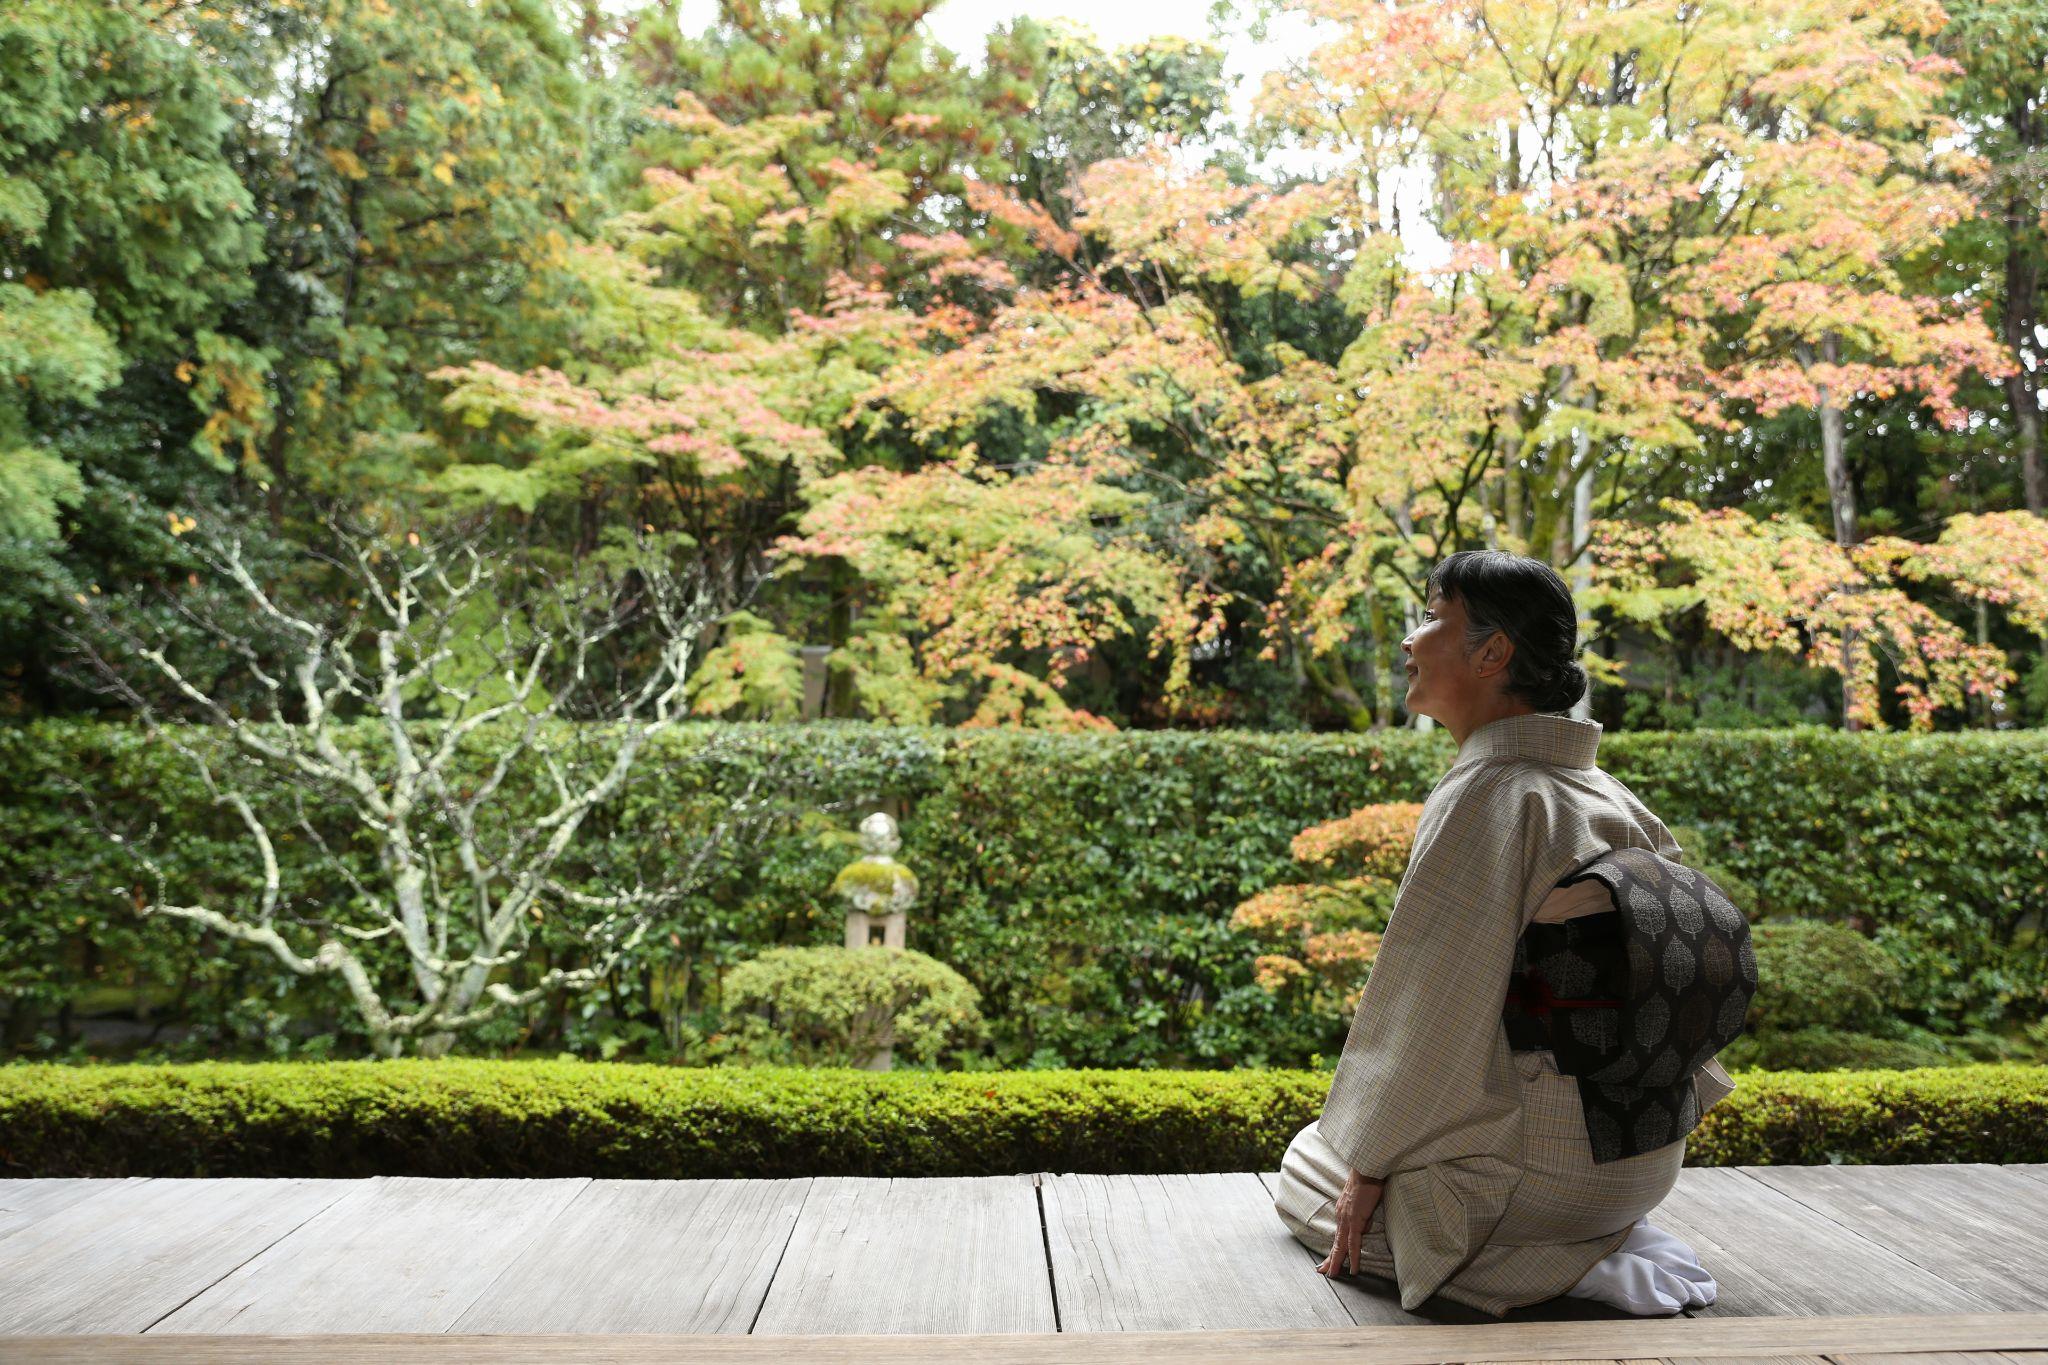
<point>364,708</point>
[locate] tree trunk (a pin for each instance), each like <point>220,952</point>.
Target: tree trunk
<point>1842,503</point>
<point>23,1018</point>
<point>1331,683</point>
<point>1511,505</point>
<point>1841,492</point>
<point>2026,411</point>
<point>277,460</point>
<point>1582,528</point>
<point>1564,525</point>
<point>1985,718</point>
<point>2021,315</point>
<point>843,596</point>
<point>1374,701</point>
<point>1411,614</point>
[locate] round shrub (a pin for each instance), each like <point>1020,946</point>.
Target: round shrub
<point>1816,974</point>
<point>837,1006</point>
<point>1829,1049</point>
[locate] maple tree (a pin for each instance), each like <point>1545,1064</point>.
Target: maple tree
<point>663,410</point>
<point>1321,937</point>
<point>1778,584</point>
<point>1144,378</point>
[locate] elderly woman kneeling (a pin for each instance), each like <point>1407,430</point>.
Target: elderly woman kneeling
<point>1444,1159</point>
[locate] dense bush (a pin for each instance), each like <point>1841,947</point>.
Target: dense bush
<point>1815,974</point>
<point>835,1005</point>
<point>1831,1049</point>
<point>1700,853</point>
<point>472,1118</point>
<point>1984,1112</point>
<point>1083,883</point>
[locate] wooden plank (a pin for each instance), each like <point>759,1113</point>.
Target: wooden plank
<point>119,1259</point>
<point>1143,1253</point>
<point>940,1254</point>
<point>1718,1340</point>
<point>24,1201</point>
<point>1943,1358</point>
<point>399,1254</point>
<point>647,1256</point>
<point>1771,1255</point>
<point>1369,1300</point>
<point>2037,1170</point>
<point>1973,1224</point>
<point>1372,1300</point>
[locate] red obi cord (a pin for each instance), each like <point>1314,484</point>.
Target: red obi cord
<point>1543,1002</point>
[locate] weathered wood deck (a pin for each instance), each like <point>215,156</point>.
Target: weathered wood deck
<point>1908,1264</point>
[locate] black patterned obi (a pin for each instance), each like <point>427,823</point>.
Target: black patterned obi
<point>1635,1000</point>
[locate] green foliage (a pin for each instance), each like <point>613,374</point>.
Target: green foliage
<point>427,185</point>
<point>1700,854</point>
<point>1817,974</point>
<point>1098,103</point>
<point>836,1004</point>
<point>1082,883</point>
<point>124,232</point>
<point>1984,1112</point>
<point>866,87</point>
<point>472,1119</point>
<point>753,674</point>
<point>1819,1048</point>
<point>116,178</point>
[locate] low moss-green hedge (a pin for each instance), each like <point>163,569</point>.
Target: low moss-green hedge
<point>459,1117</point>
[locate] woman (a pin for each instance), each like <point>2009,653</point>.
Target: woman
<point>1443,1160</point>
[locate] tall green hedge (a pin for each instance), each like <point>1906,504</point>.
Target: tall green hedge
<point>1082,882</point>
<point>472,1118</point>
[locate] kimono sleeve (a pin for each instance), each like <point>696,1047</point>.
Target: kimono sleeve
<point>1424,1074</point>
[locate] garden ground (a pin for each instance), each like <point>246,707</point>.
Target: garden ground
<point>1851,1262</point>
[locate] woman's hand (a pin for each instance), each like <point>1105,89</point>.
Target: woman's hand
<point>1354,1214</point>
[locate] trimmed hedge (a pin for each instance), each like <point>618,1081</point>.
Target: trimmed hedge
<point>1082,882</point>
<point>473,1118</point>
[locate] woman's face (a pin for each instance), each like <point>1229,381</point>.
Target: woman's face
<point>1444,682</point>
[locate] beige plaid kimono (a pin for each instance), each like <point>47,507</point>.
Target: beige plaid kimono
<point>1492,1196</point>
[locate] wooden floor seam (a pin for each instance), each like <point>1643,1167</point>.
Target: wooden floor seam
<point>1953,1256</point>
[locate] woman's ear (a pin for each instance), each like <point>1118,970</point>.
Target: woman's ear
<point>1495,653</point>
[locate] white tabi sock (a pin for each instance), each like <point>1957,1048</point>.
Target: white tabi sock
<point>1650,1274</point>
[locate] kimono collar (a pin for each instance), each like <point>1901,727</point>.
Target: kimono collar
<point>1543,736</point>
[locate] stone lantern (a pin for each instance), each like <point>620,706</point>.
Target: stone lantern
<point>878,890</point>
